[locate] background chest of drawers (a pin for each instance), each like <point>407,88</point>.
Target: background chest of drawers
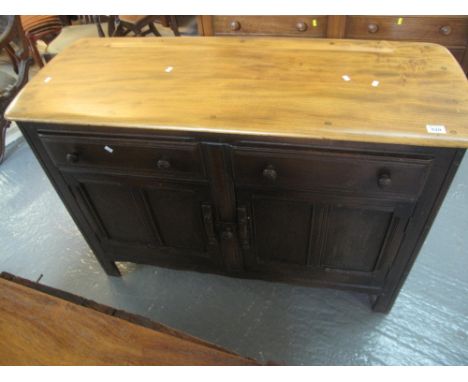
<point>450,31</point>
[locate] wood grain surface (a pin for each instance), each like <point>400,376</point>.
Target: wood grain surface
<point>37,328</point>
<point>258,86</point>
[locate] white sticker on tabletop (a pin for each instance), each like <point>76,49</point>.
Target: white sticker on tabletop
<point>436,129</point>
<point>109,149</point>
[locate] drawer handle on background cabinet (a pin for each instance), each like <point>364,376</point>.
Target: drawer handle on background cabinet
<point>163,164</point>
<point>301,26</point>
<point>384,180</point>
<point>269,173</point>
<point>235,25</point>
<point>72,157</point>
<point>372,28</point>
<point>446,30</point>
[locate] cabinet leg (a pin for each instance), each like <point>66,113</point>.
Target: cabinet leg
<point>3,128</point>
<point>109,267</point>
<point>382,303</point>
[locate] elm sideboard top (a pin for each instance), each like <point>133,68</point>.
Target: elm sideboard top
<point>351,90</point>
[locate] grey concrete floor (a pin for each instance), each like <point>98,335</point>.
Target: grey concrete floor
<point>267,321</point>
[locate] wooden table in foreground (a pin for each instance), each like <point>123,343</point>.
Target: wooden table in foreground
<point>317,162</point>
<point>40,325</point>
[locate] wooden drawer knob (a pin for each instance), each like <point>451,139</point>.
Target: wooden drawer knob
<point>301,26</point>
<point>163,164</point>
<point>235,25</point>
<point>445,30</point>
<point>269,173</point>
<point>372,28</point>
<point>72,157</point>
<point>384,180</point>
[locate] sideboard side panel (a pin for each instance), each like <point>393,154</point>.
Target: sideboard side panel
<point>30,133</point>
<point>416,234</point>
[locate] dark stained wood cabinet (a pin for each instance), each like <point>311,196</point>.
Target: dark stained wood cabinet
<point>325,169</point>
<point>329,214</point>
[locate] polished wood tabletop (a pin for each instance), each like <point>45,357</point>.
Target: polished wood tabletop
<point>38,328</point>
<point>352,90</point>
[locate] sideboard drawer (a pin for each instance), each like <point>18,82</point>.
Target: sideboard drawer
<point>376,175</point>
<point>180,159</point>
<point>307,26</point>
<point>449,31</point>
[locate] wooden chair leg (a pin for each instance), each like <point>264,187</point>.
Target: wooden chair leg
<point>164,20</point>
<point>35,53</point>
<point>12,56</point>
<point>119,31</point>
<point>154,30</point>
<point>126,29</point>
<point>174,26</point>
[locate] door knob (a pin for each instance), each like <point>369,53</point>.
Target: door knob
<point>227,234</point>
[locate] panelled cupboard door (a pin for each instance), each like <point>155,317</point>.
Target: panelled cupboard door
<point>305,236</point>
<point>145,217</point>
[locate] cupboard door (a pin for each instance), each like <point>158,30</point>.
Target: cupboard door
<point>282,231</point>
<point>143,217</point>
<point>180,217</point>
<point>360,239</point>
<point>318,237</point>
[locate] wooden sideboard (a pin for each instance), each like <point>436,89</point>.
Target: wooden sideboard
<point>235,156</point>
<point>450,31</point>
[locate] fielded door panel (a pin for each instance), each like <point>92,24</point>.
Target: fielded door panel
<point>304,235</point>
<point>148,217</point>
